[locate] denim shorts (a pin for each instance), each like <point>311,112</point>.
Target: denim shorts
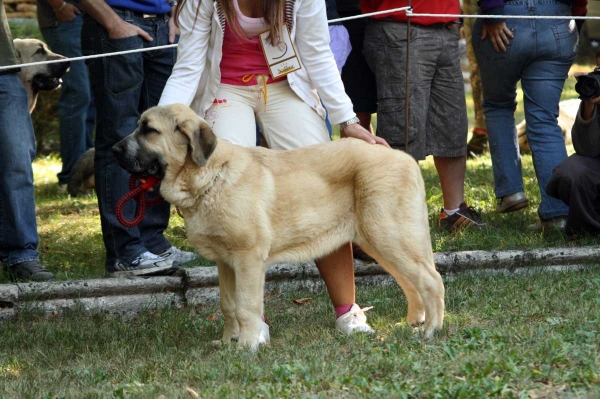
<point>438,116</point>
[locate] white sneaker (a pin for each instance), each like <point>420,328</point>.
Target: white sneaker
<point>147,264</point>
<point>264,336</point>
<point>354,321</point>
<point>177,255</point>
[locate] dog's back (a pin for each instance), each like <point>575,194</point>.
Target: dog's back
<point>81,179</point>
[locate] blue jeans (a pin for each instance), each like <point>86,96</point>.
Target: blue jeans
<point>76,112</point>
<point>540,56</point>
<point>18,228</point>
<point>123,87</point>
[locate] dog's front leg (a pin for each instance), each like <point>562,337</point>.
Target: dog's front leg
<point>250,282</point>
<point>227,297</point>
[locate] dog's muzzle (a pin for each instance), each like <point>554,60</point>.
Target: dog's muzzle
<point>135,163</point>
<point>52,79</point>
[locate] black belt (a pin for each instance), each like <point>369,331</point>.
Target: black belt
<point>136,14</point>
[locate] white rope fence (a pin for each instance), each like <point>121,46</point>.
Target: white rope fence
<point>409,13</point>
<point>140,50</point>
<point>408,10</point>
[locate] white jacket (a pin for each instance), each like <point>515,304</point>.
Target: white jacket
<point>196,75</point>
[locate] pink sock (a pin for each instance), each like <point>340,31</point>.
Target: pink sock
<point>342,309</point>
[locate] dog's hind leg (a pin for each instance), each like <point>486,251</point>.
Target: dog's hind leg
<point>227,298</point>
<point>409,259</point>
<point>249,294</point>
<point>416,310</point>
<point>422,276</point>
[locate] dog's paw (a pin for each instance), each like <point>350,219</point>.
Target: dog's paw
<point>250,345</point>
<point>422,333</point>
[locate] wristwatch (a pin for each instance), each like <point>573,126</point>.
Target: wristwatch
<point>349,122</point>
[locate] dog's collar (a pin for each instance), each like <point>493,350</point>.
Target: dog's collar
<point>212,184</point>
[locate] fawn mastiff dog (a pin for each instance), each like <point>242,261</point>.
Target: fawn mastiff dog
<point>39,77</point>
<point>247,208</point>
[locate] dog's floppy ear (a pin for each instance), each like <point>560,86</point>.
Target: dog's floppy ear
<point>202,140</point>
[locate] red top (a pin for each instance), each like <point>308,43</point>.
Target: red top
<point>243,60</point>
<point>418,6</point>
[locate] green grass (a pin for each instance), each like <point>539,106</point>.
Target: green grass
<point>511,337</point>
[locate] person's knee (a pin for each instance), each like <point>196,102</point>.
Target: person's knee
<point>571,170</point>
<point>568,177</point>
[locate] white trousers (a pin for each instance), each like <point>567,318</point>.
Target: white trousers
<point>284,119</point>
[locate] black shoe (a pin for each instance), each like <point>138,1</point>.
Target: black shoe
<point>478,144</point>
<point>465,217</point>
<point>30,270</point>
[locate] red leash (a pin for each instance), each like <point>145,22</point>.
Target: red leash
<point>139,194</point>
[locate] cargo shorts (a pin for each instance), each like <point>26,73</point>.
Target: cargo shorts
<point>437,107</point>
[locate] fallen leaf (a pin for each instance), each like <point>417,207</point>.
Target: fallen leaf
<point>529,289</point>
<point>212,317</point>
<point>302,301</point>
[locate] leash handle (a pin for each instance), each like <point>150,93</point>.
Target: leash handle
<point>139,194</point>
<point>150,181</point>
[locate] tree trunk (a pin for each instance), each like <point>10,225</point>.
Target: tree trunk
<point>470,7</point>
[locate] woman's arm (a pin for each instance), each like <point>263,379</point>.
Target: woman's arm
<point>191,53</point>
<point>312,42</point>
<point>586,130</point>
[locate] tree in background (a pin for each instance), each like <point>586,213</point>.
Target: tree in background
<point>479,142</point>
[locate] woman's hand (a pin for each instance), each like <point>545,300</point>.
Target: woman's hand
<point>173,28</point>
<point>359,132</point>
<point>499,34</point>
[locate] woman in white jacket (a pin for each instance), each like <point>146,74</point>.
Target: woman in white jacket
<point>223,73</point>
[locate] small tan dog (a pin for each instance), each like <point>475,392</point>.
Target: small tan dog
<point>566,118</point>
<point>38,77</point>
<point>247,208</point>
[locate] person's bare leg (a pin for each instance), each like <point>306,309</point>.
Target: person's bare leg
<point>451,171</point>
<point>337,270</point>
<point>365,120</point>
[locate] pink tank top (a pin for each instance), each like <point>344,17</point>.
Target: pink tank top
<point>243,59</point>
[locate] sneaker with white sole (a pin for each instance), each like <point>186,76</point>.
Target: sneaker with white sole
<point>354,321</point>
<point>177,255</point>
<point>147,264</point>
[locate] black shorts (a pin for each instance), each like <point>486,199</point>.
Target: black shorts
<point>358,79</point>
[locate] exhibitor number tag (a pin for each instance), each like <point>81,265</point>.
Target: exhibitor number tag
<point>281,57</point>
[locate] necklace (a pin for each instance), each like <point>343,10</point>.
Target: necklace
<point>211,184</point>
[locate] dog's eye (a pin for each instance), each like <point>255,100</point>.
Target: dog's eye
<point>40,51</point>
<point>150,130</point>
